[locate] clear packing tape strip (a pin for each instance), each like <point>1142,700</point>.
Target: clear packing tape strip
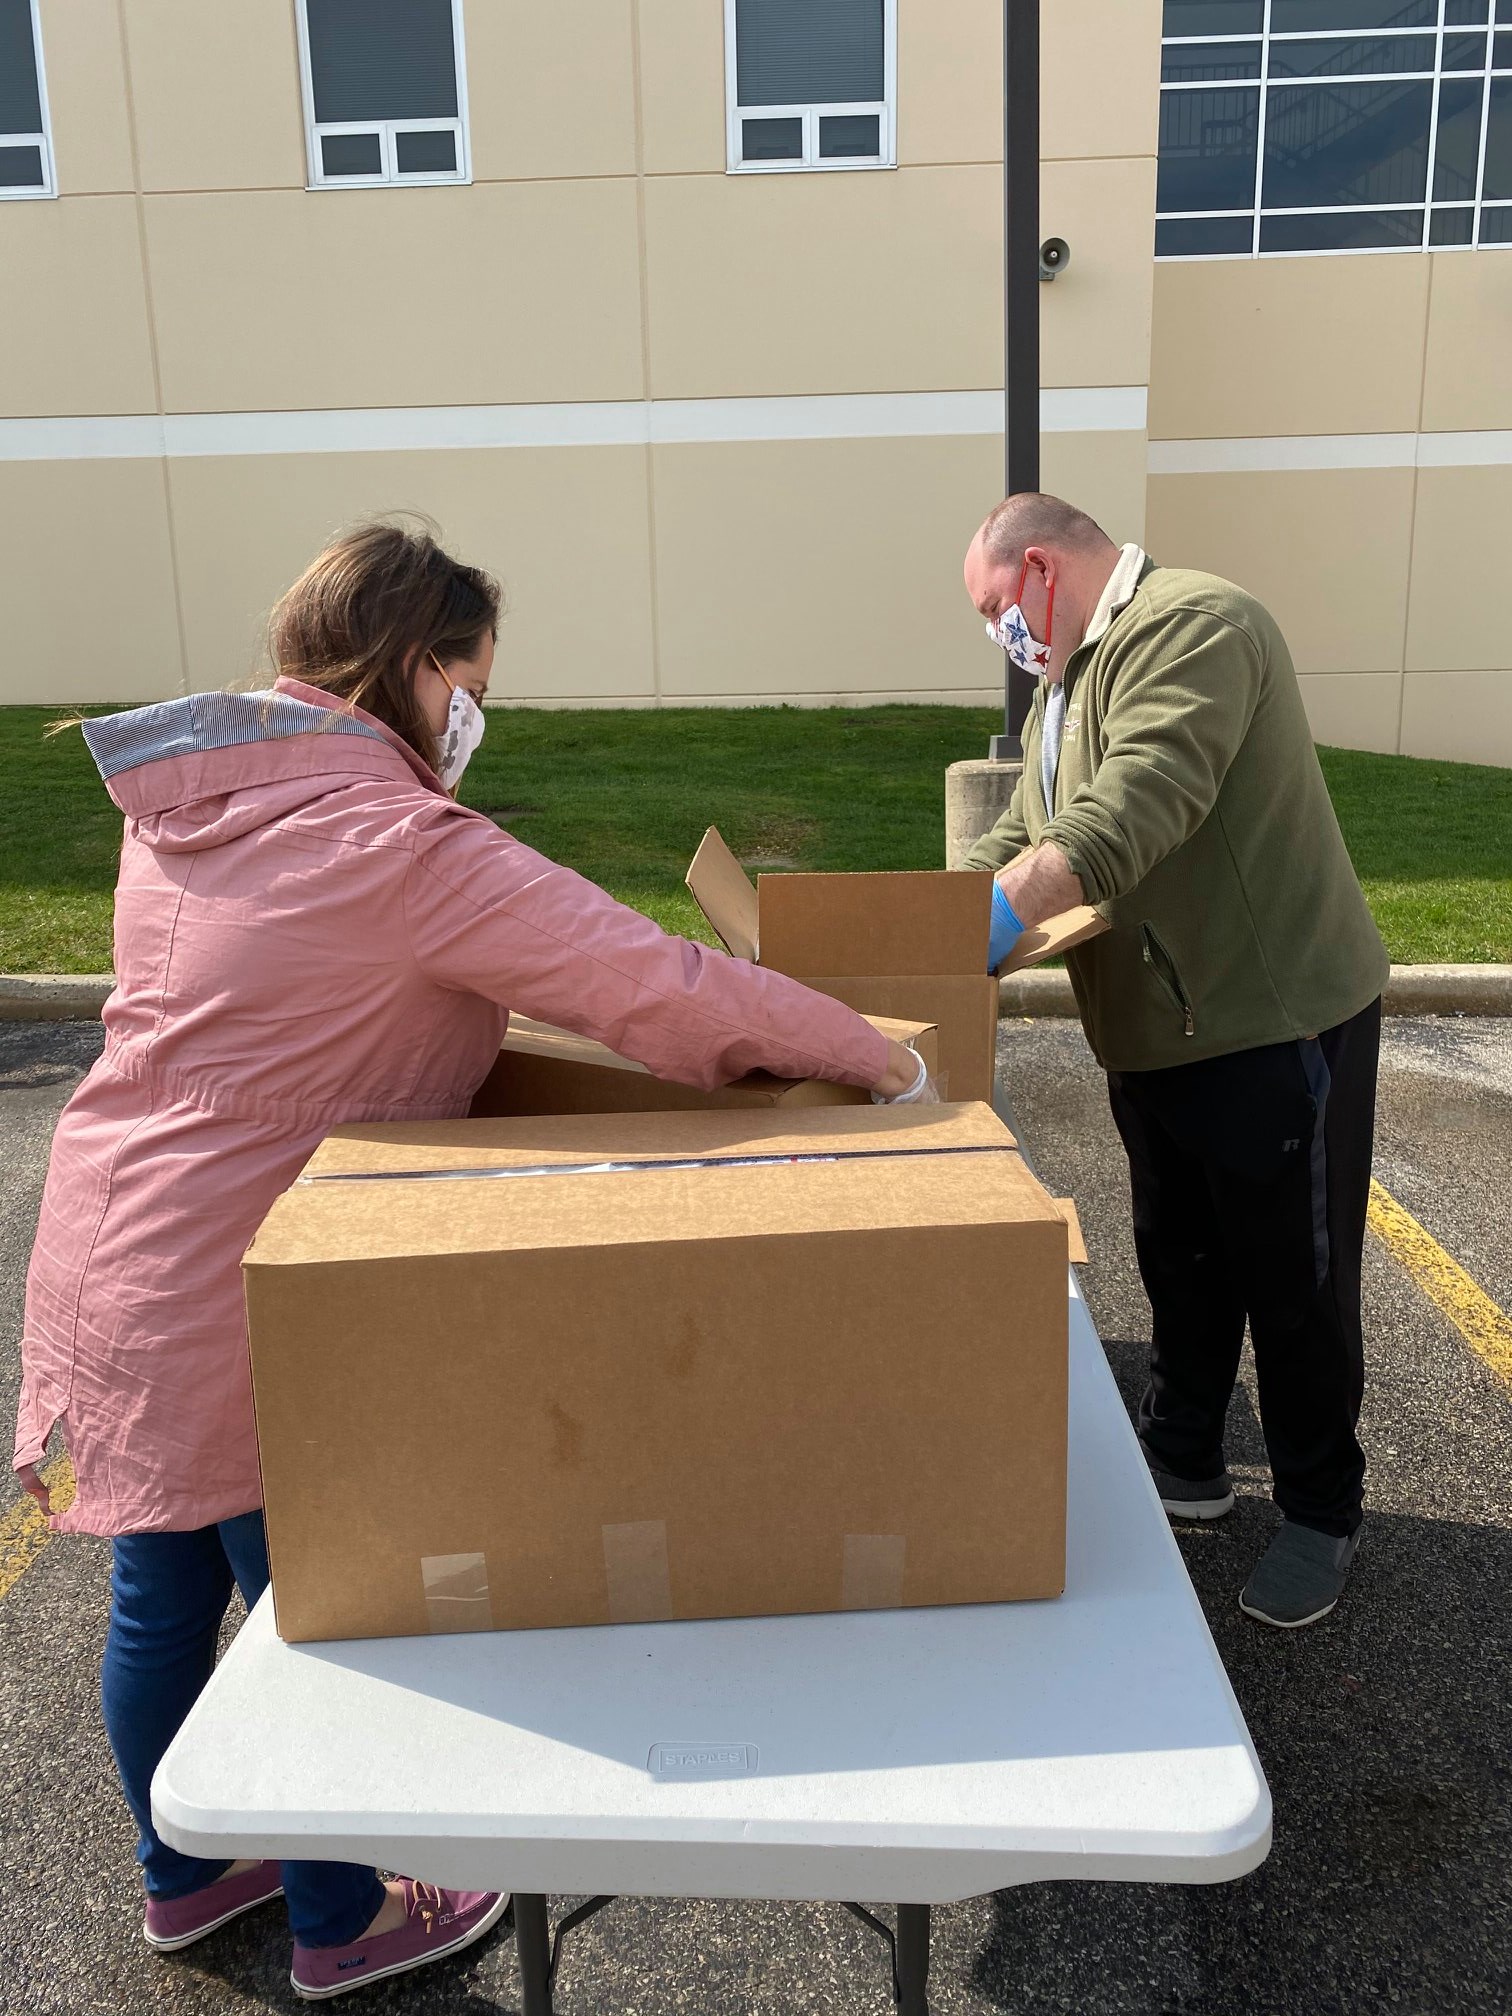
<point>480,1175</point>
<point>638,1578</point>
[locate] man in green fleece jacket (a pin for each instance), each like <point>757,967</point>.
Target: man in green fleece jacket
<point>1170,779</point>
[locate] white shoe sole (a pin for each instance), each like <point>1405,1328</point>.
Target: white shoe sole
<point>1287,1623</point>
<point>475,1932</point>
<point>1198,1508</point>
<point>193,1938</point>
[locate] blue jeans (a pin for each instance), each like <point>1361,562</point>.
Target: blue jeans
<point>168,1596</point>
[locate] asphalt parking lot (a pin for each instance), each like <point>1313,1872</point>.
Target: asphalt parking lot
<point>1384,1730</point>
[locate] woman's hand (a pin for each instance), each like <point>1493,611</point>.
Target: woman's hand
<point>32,1484</point>
<point>904,1068</point>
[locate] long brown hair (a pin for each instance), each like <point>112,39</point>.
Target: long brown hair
<point>366,611</point>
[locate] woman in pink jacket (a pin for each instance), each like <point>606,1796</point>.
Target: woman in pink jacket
<point>309,931</point>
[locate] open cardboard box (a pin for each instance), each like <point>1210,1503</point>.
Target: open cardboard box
<point>910,945</point>
<point>622,1367</point>
<point>542,1069</point>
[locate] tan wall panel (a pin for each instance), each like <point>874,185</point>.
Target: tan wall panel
<point>217,94</point>
<point>550,89</point>
<point>821,567</point>
<point>1288,346</point>
<point>575,626</point>
<point>795,283</point>
<point>1463,717</point>
<point>1102,473</point>
<point>815,283</point>
<point>397,297</point>
<point>1354,710</point>
<point>86,93</point>
<point>950,81</point>
<point>1095,319</point>
<point>81,344</point>
<point>1100,78</point>
<point>683,86</point>
<point>88,591</point>
<point>1326,551</point>
<point>1461,609</point>
<point>850,696</point>
<point>1468,381</point>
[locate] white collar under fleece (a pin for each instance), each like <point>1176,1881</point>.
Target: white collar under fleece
<point>1119,592</point>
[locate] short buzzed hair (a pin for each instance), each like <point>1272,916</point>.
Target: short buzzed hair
<point>1032,518</point>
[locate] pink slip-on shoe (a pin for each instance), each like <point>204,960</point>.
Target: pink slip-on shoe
<point>437,1922</point>
<point>172,1922</point>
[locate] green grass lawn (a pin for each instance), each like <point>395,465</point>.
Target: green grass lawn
<point>625,797</point>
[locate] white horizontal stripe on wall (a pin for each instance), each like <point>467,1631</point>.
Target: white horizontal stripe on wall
<point>1487,449</point>
<point>345,431</point>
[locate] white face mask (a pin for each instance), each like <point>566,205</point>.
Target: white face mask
<point>1024,649</point>
<point>1012,634</point>
<point>461,735</point>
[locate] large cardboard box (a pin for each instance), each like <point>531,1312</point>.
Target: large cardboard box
<point>907,945</point>
<point>542,1069</point>
<point>623,1367</point>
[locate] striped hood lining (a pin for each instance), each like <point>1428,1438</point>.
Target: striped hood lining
<point>207,721</point>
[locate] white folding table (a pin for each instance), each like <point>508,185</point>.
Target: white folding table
<point>911,1756</point>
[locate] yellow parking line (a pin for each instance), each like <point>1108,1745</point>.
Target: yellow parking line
<point>1484,1327</point>
<point>23,1530</point>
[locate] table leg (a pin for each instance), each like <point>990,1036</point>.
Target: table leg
<point>913,1959</point>
<point>533,1944</point>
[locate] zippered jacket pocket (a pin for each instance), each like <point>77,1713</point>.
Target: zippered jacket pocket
<point>1163,966</point>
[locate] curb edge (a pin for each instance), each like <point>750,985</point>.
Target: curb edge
<point>1411,990</point>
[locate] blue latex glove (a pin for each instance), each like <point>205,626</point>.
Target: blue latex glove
<point>1007,929</point>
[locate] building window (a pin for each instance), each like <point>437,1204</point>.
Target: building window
<point>811,83</point>
<point>385,91</point>
<point>26,163</point>
<point>1292,126</point>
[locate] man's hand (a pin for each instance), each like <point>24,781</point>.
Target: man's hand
<point>1040,884</point>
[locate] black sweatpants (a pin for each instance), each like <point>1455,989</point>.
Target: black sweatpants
<point>1251,1178</point>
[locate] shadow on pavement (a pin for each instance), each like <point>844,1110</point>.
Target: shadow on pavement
<point>1384,1733</point>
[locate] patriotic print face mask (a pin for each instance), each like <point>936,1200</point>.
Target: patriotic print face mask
<point>1012,634</point>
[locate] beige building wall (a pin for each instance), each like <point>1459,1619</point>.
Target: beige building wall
<point>1336,434</point>
<point>724,436</point>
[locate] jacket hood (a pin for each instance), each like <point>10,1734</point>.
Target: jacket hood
<point>197,772</point>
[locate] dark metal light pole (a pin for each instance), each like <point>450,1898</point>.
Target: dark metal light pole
<point>1021,275</point>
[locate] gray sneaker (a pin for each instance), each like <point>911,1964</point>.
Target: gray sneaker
<point>1299,1578</point>
<point>1209,1499</point>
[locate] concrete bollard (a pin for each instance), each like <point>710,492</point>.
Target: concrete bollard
<point>976,796</point>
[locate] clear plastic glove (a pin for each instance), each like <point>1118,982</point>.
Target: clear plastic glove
<point>922,1092</point>
<point>1007,929</point>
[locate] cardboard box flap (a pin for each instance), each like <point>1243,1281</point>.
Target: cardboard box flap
<point>927,922</point>
<point>1054,936</point>
<point>545,1039</point>
<point>722,890</point>
<point>963,1005</point>
<point>406,1190</point>
<point>1078,1245</point>
<point>541,1069</point>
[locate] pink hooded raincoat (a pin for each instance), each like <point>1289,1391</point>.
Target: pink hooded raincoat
<point>308,932</point>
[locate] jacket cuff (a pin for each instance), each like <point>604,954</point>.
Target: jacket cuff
<point>1098,860</point>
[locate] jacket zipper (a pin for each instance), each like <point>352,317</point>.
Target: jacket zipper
<point>1163,966</point>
